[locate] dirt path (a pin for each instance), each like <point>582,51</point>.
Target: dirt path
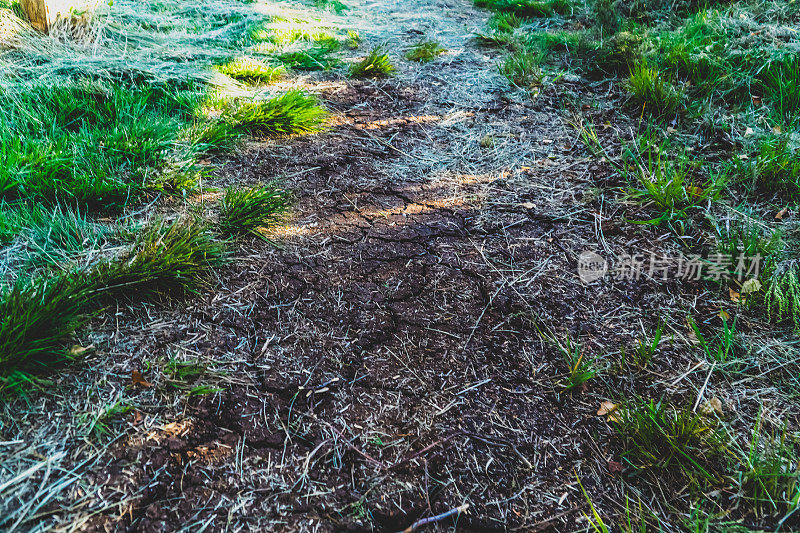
<point>384,363</point>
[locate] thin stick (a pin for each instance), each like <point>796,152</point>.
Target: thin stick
<point>425,521</point>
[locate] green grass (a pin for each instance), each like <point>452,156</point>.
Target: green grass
<point>653,92</point>
<point>750,240</point>
<point>101,145</point>
<point>782,294</point>
<point>310,59</point>
<point>504,22</point>
<point>246,211</point>
<point>579,368</point>
<point>663,438</point>
<point>528,8</point>
<point>375,65</point>
<point>292,113</point>
<point>425,51</point>
<point>252,70</point>
<point>770,474</point>
<point>522,68</point>
<point>669,185</point>
<point>37,317</point>
<point>776,169</point>
<point>166,256</point>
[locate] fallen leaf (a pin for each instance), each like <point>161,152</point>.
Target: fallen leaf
<point>748,132</point>
<point>547,141</point>
<point>756,100</point>
<point>723,314</point>
<point>527,205</point>
<point>487,141</point>
<point>671,130</point>
<point>711,406</point>
<point>77,350</point>
<point>609,410</point>
<point>138,379</point>
<point>734,295</point>
<point>606,407</point>
<point>777,130</point>
<point>615,467</point>
<point>137,417</point>
<point>750,286</point>
<point>782,213</point>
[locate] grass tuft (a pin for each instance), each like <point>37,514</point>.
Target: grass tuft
<point>291,113</point>
<point>375,65</point>
<point>522,69</point>
<point>652,91</point>
<point>246,211</point>
<point>425,51</point>
<point>166,256</point>
<point>662,437</point>
<point>36,318</point>
<point>252,71</point>
<point>528,8</point>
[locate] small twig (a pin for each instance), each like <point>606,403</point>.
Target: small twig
<point>425,521</point>
<point>424,450</point>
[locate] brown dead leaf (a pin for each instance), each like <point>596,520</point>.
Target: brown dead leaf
<point>138,379</point>
<point>735,296</point>
<point>615,467</point>
<point>137,417</point>
<point>777,130</point>
<point>77,350</point>
<point>756,100</point>
<point>711,406</point>
<point>608,409</point>
<point>782,213</point>
<point>723,314</point>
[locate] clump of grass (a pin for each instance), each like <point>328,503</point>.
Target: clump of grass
<point>777,167</point>
<point>661,437</point>
<point>779,82</point>
<point>770,477</point>
<point>252,70</point>
<point>670,185</point>
<point>102,423</point>
<point>248,210</point>
<point>375,65</point>
<point>425,51</point>
<point>94,144</point>
<point>522,68</point>
<point>528,8</point>
<point>652,91</point>
<point>606,16</point>
<point>504,22</point>
<point>291,113</point>
<point>36,318</point>
<point>746,240</point>
<point>782,295</point>
<point>315,58</point>
<point>165,257</point>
